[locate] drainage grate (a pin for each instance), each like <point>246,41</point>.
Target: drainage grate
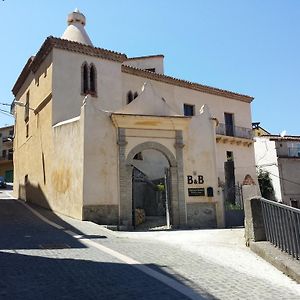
<point>54,246</point>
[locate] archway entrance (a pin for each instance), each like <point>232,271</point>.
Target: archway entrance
<point>151,190</point>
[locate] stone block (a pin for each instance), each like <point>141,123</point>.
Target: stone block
<point>201,215</point>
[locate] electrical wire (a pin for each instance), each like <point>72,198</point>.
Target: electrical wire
<point>6,112</point>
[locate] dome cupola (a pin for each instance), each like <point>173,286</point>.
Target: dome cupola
<point>75,30</point>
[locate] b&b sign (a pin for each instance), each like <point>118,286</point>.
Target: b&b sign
<point>195,179</point>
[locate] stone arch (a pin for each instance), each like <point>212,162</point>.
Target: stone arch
<point>154,146</point>
<point>178,207</point>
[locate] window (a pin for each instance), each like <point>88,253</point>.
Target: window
<point>4,153</point>
<point>10,154</point>
<point>129,97</point>
<point>93,80</point>
<point>229,155</point>
<point>189,110</point>
<point>229,124</point>
<point>11,132</point>
<point>85,76</point>
<point>26,111</point>
<point>88,79</point>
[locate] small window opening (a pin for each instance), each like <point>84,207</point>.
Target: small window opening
<point>93,80</point>
<point>189,110</point>
<point>135,95</point>
<point>85,84</point>
<point>229,155</point>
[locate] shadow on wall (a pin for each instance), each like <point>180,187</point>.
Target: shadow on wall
<point>33,194</point>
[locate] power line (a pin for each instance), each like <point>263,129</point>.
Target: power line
<point>6,112</point>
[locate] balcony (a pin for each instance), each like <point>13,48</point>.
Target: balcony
<point>292,152</point>
<point>8,156</point>
<point>234,134</point>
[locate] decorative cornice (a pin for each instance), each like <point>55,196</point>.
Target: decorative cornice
<point>185,84</point>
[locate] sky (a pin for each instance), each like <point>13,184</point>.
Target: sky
<point>249,47</point>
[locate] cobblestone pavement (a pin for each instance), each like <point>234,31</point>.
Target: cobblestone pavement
<point>225,270</point>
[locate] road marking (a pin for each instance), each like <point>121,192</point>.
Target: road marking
<point>186,291</point>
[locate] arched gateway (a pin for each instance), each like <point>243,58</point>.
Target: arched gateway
<point>126,165</point>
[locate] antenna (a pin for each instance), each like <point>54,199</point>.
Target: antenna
<point>283,133</point>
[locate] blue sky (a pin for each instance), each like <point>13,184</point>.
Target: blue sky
<point>250,47</point>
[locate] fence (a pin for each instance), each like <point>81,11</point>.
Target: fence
<point>282,226</point>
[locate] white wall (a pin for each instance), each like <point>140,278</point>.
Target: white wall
<point>266,159</point>
<point>67,98</point>
<point>156,62</point>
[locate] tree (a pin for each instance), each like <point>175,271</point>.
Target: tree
<point>266,185</point>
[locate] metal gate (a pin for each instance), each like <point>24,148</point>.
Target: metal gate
<point>234,206</point>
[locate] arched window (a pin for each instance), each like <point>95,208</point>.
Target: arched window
<point>129,97</point>
<point>84,78</point>
<point>135,95</point>
<point>93,80</point>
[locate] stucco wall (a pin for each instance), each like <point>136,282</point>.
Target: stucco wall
<point>67,168</point>
<point>266,159</point>
<point>156,62</point>
<point>289,172</point>
<point>199,156</point>
<point>244,161</point>
<point>176,96</point>
<point>67,84</point>
<point>28,150</point>
<point>100,157</point>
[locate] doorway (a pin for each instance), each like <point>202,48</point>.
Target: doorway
<point>150,191</point>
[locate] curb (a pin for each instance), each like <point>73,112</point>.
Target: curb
<point>280,260</point>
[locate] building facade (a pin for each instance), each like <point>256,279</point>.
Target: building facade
<point>6,152</point>
<point>92,116</point>
<point>280,156</point>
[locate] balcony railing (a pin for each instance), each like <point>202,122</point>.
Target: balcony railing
<point>7,156</point>
<point>234,131</point>
<point>293,151</point>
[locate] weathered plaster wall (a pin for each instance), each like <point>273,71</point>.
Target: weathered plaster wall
<point>100,175</point>
<point>67,168</point>
<point>67,90</point>
<point>244,161</point>
<point>28,150</point>
<point>289,172</point>
<point>176,96</point>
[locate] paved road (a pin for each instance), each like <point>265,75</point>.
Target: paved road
<point>90,265</point>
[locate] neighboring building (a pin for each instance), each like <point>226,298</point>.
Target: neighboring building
<point>6,152</point>
<point>92,116</point>
<point>258,130</point>
<point>280,156</point>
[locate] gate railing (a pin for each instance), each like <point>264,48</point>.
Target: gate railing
<point>282,226</point>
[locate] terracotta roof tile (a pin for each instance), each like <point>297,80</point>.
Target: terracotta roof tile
<point>52,42</point>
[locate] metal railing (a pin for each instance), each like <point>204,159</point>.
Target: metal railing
<point>282,226</point>
<point>293,152</point>
<point>230,130</point>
